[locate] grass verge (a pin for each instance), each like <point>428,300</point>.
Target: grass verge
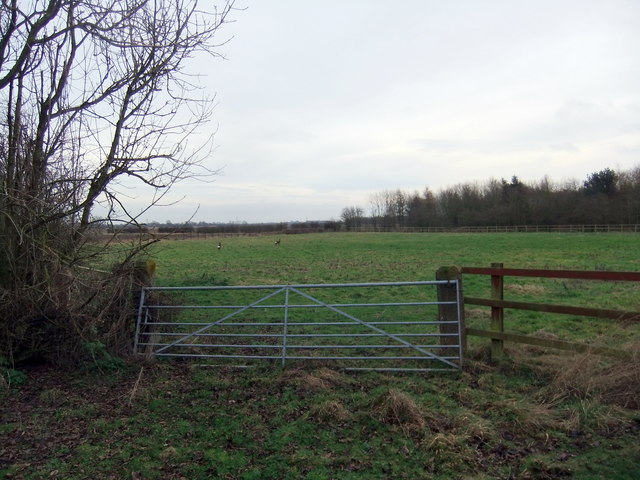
<point>174,421</point>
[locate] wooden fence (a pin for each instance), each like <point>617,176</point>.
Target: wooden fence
<point>498,304</point>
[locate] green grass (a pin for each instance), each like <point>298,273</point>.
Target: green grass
<point>327,258</point>
<point>188,422</point>
<point>345,258</point>
<point>533,415</point>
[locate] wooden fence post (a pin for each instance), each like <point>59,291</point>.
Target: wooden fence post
<point>143,276</point>
<point>497,313</point>
<point>447,293</point>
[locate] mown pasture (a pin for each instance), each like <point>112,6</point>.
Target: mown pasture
<point>535,414</point>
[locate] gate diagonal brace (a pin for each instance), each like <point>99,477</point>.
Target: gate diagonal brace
<point>379,330</point>
<point>217,322</point>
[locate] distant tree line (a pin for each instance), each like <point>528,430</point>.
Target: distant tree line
<point>604,197</point>
<point>232,227</point>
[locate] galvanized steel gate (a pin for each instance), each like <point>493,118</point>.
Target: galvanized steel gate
<point>400,330</point>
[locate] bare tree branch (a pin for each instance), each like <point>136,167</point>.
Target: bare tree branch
<point>93,93</point>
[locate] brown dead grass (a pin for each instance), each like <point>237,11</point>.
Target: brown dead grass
<point>331,411</point>
<point>320,380</point>
<point>397,408</point>
<point>522,416</point>
<point>475,428</point>
<point>591,413</point>
<point>593,377</point>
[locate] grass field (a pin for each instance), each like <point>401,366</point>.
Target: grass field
<point>344,258</point>
<point>536,414</point>
<point>347,257</point>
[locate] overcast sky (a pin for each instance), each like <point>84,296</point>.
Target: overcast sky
<point>322,103</point>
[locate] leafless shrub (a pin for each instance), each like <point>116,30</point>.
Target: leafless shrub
<point>75,311</point>
<point>93,95</point>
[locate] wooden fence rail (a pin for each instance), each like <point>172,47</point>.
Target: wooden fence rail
<point>498,304</point>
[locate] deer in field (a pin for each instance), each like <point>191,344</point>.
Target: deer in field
<point>277,242</point>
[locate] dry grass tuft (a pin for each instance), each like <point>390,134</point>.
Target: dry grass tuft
<point>331,411</point>
<point>397,408</point>
<point>523,416</point>
<point>591,414</point>
<point>329,376</point>
<point>588,376</point>
<point>476,429</point>
<point>168,452</point>
<point>441,443</point>
<point>315,384</point>
<point>320,380</point>
<point>449,451</point>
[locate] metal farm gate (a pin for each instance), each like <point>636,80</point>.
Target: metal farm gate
<point>357,326</point>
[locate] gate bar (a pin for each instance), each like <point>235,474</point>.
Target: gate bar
<point>379,330</point>
<point>284,327</point>
<point>304,285</point>
<point>218,307</point>
<point>209,325</point>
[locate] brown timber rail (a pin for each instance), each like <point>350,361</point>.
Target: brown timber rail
<point>497,303</point>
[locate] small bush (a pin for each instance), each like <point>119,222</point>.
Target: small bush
<point>12,377</point>
<point>72,316</point>
<point>101,359</point>
<point>397,408</point>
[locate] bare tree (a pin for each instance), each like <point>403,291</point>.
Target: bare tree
<point>377,207</point>
<point>397,207</point>
<point>93,93</point>
<point>352,217</point>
